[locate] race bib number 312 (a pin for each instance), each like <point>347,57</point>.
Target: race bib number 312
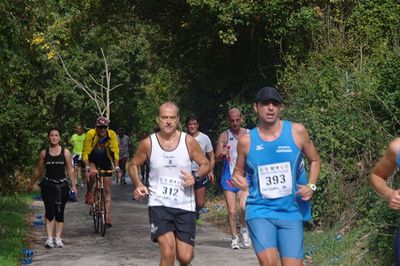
<point>275,180</point>
<point>170,189</point>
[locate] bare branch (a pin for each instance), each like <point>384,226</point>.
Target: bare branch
<point>101,97</point>
<point>94,80</point>
<point>113,88</point>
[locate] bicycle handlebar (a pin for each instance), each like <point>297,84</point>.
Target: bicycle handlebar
<point>105,171</point>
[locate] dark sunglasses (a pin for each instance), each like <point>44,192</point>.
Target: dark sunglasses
<point>102,127</point>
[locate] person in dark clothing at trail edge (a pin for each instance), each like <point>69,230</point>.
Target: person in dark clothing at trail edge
<point>54,186</point>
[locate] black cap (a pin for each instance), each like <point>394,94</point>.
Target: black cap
<point>268,93</point>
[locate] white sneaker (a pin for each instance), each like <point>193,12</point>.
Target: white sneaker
<point>235,243</point>
<point>49,243</point>
<point>245,238</point>
<point>58,243</point>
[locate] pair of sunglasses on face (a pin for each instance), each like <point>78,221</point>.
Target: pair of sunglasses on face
<point>102,127</point>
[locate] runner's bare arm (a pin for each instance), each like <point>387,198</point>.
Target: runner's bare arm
<point>382,171</point>
<point>38,171</point>
<point>211,158</point>
<point>303,140</point>
<point>141,156</point>
<point>198,156</point>
<point>239,172</point>
<point>70,168</point>
<point>220,150</point>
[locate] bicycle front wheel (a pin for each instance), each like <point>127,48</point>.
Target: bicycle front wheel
<point>95,211</point>
<point>103,212</point>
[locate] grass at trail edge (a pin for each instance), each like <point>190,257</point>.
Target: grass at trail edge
<point>14,227</point>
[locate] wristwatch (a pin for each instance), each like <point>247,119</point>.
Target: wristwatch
<point>312,186</point>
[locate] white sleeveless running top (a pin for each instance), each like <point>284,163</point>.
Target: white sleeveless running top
<point>165,178</point>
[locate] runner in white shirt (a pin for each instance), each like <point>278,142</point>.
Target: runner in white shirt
<point>123,144</point>
<point>202,182</point>
<point>171,198</point>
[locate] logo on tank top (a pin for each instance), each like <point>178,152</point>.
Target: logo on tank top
<point>260,147</point>
<point>281,149</point>
<point>170,163</point>
<point>54,162</point>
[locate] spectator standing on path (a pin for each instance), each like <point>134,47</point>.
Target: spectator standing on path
<point>272,155</point>
<point>54,186</point>
<point>76,141</point>
<point>202,182</point>
<point>379,177</point>
<point>170,153</point>
<point>226,152</point>
<point>123,144</point>
<point>100,150</point>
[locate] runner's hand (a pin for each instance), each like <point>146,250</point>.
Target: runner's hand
<point>225,151</point>
<point>305,192</point>
<point>240,182</point>
<point>211,177</point>
<point>394,199</point>
<point>119,174</point>
<point>73,188</point>
<point>188,179</point>
<point>140,192</point>
<point>31,187</point>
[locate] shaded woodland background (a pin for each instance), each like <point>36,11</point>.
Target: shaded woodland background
<point>336,62</point>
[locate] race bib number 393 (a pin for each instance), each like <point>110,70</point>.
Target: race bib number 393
<point>275,180</point>
<point>170,189</point>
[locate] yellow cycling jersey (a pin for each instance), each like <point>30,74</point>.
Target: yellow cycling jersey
<point>111,145</point>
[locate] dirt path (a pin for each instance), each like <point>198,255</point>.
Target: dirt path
<point>128,241</point>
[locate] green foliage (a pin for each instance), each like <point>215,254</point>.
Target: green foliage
<point>337,63</point>
<point>13,228</point>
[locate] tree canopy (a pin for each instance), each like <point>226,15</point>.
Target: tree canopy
<point>336,63</point>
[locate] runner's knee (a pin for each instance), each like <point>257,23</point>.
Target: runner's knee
<point>49,215</point>
<point>268,257</point>
<point>168,253</point>
<point>185,258</point>
<point>59,217</point>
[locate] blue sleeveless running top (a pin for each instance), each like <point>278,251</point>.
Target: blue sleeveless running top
<point>275,168</point>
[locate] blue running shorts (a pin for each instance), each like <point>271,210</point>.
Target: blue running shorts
<point>285,235</point>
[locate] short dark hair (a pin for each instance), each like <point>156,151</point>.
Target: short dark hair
<point>53,128</point>
<point>191,117</point>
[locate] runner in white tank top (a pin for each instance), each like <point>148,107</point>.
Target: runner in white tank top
<point>171,203</point>
<point>226,152</point>
<point>165,181</point>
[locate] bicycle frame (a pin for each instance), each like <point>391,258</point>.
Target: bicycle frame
<point>99,210</point>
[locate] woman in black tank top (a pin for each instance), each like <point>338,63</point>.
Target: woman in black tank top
<point>56,161</point>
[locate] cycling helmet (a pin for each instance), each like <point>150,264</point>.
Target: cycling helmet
<point>102,121</point>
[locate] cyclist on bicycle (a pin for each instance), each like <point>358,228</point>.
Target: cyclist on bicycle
<point>100,151</point>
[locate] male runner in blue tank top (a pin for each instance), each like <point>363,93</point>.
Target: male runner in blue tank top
<point>379,176</point>
<point>226,152</point>
<point>272,155</point>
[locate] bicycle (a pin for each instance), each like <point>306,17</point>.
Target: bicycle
<point>98,209</point>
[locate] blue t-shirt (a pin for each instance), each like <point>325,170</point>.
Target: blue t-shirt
<point>275,169</point>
